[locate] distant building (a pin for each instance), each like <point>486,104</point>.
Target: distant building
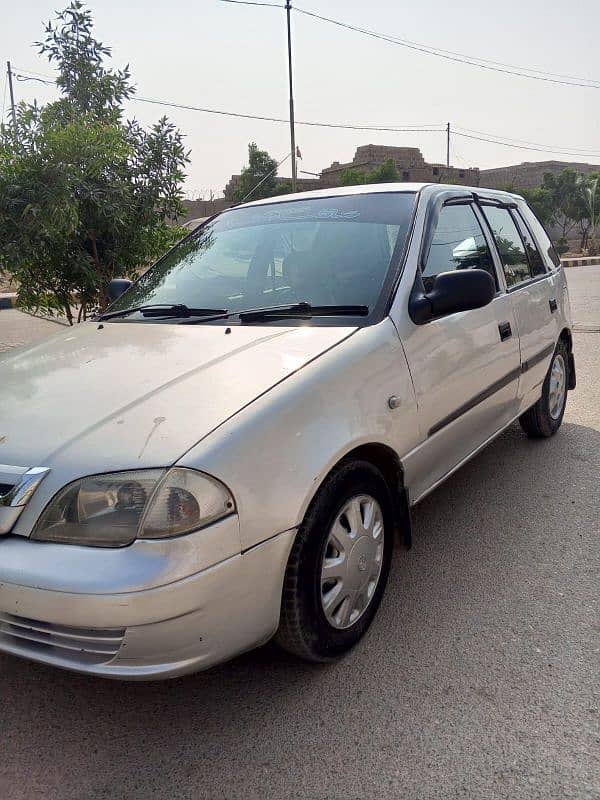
<point>409,162</point>
<point>411,167</point>
<point>528,175</point>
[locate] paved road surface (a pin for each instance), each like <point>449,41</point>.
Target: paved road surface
<point>18,329</point>
<point>479,679</point>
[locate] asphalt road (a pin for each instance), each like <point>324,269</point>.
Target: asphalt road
<point>480,677</point>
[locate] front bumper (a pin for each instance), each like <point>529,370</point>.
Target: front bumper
<point>145,632</point>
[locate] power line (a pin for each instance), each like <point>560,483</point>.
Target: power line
<point>37,74</point>
<point>423,128</point>
<point>252,3</point>
<point>550,148</point>
<point>540,149</point>
<point>461,58</point>
<point>268,175</point>
<point>474,60</point>
<point>20,77</point>
<point>344,126</point>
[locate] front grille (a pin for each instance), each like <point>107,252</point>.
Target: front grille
<point>78,645</point>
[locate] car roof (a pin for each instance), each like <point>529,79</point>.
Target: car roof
<point>376,188</point>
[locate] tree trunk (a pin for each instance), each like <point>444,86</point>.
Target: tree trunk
<point>102,296</point>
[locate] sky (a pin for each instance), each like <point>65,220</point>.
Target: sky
<point>232,57</point>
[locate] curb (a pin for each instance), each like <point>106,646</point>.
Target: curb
<point>8,300</point>
<point>584,261</point>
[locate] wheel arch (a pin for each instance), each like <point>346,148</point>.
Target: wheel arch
<point>386,460</point>
<point>567,337</point>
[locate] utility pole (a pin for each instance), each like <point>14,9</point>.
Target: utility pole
<point>288,8</point>
<point>12,98</point>
<point>448,145</point>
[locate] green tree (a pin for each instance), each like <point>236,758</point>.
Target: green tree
<point>84,195</point>
<point>259,178</point>
<point>353,177</point>
<point>386,173</point>
<point>564,199</point>
<point>540,200</point>
<point>589,221</point>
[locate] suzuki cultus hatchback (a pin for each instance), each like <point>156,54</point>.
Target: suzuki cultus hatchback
<point>229,452</point>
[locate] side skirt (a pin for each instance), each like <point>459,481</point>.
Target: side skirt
<point>461,463</point>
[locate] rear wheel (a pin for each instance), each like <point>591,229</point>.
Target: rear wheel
<point>339,564</point>
<point>544,418</point>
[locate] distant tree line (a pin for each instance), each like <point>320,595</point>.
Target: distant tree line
<point>569,202</point>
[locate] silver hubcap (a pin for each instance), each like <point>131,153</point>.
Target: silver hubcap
<point>558,385</point>
<point>352,561</point>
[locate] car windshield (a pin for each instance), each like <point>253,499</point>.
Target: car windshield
<point>333,251</point>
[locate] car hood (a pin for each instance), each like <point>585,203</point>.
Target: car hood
<point>122,395</point>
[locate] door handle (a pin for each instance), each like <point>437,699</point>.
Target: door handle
<point>553,305</point>
<point>505,331</point>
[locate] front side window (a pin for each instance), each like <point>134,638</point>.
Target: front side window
<point>458,243</point>
<point>510,245</point>
<point>323,251</point>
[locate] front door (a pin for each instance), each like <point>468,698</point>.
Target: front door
<point>465,366</point>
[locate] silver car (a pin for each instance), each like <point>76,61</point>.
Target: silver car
<point>230,451</point>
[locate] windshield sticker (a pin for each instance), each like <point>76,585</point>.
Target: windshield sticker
<point>310,215</point>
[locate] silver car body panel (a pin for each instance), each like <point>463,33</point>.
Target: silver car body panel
<point>269,411</point>
<point>174,628</point>
<point>129,396</point>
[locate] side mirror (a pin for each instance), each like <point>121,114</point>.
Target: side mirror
<point>460,290</point>
<point>116,288</point>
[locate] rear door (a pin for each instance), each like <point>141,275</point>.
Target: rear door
<point>533,291</point>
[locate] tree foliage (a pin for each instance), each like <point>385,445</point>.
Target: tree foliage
<point>84,195</point>
<point>568,201</point>
<point>353,177</point>
<point>384,173</point>
<point>259,178</point>
<point>540,200</point>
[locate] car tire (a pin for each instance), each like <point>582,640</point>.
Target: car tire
<point>544,418</point>
<point>348,529</point>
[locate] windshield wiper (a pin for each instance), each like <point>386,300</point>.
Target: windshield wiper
<point>302,311</point>
<point>177,310</point>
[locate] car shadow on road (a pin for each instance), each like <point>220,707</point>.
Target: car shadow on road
<point>487,545</point>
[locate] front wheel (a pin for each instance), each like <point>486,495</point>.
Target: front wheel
<point>339,565</point>
<point>544,418</point>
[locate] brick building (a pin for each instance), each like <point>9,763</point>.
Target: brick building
<point>529,174</point>
<point>409,162</point>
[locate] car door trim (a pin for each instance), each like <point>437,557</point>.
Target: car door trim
<point>476,400</point>
<point>492,389</point>
<point>531,362</point>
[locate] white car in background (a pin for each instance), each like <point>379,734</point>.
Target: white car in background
<point>229,452</point>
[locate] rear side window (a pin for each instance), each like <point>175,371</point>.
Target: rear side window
<point>542,237</point>
<point>535,259</point>
<point>458,243</point>
<point>510,245</point>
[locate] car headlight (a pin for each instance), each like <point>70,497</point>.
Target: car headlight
<point>114,509</point>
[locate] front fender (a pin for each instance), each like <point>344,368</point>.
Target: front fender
<point>276,452</point>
